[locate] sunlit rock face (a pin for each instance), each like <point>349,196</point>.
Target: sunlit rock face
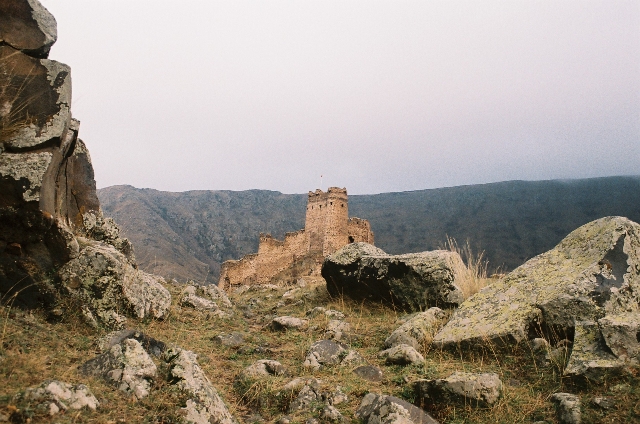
<point>50,217</point>
<point>589,284</point>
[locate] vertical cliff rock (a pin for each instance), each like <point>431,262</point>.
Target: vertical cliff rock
<point>49,210</point>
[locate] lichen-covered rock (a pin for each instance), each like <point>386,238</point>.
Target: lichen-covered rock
<point>383,409</point>
<point>26,172</point>
<point>54,396</point>
<point>402,354</point>
<point>262,368</point>
<point>205,405</point>
<point>418,331</point>
<point>620,332</point>
<point>590,357</point>
<point>593,272</point>
<point>27,26</point>
<point>127,365</point>
<point>462,388</point>
<point>325,352</point>
<point>189,298</point>
<point>337,329</point>
<point>98,227</point>
<point>413,281</point>
<point>149,344</point>
<point>103,280</point>
<point>567,408</point>
<point>289,323</point>
<point>369,373</point>
<point>217,295</point>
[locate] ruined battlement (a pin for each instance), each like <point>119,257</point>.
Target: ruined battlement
<point>327,229</point>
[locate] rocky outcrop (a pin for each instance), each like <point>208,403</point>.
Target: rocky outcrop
<point>50,216</point>
<point>412,282</point>
<point>590,282</point>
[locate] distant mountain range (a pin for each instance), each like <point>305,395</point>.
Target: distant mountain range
<point>188,235</point>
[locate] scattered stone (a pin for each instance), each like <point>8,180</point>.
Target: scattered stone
<point>205,404</point>
<point>337,330</point>
<point>418,330</point>
<point>585,277</point>
<point>262,368</point>
<point>402,354</point>
<point>352,358</point>
<point>289,323</point>
<point>462,388</point>
<point>331,414</point>
<point>191,299</point>
<point>54,396</point>
<point>324,352</point>
<point>234,339</point>
<point>126,365</point>
<point>298,383</point>
<point>308,396</point>
<point>567,408</point>
<point>369,373</point>
<point>376,408</point>
<point>331,313</point>
<point>218,295</point>
<point>603,402</point>
<point>413,281</point>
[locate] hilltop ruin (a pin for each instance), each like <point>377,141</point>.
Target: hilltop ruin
<point>327,228</point>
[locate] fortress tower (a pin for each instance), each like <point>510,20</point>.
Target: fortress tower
<point>327,229</point>
<point>326,221</point>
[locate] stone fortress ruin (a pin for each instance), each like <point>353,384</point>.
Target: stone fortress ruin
<point>327,229</point>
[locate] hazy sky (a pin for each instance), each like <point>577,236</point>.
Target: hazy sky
<point>375,96</point>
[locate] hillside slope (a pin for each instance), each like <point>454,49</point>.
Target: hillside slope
<point>188,235</point>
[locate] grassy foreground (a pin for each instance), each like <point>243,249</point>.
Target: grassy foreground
<point>33,350</point>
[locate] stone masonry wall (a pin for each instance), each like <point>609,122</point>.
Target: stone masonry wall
<point>359,230</point>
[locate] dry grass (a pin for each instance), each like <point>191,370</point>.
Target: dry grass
<point>473,276</point>
<point>33,350</point>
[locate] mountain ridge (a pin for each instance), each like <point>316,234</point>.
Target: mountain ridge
<point>187,235</point>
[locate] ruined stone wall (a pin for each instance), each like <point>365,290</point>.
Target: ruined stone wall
<point>275,256</point>
<point>241,272</point>
<point>359,230</point>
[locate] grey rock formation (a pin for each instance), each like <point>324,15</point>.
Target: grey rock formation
<point>462,388</point>
<point>54,396</point>
<point>331,414</point>
<point>126,365</point>
<point>413,281</point>
<point>27,26</point>
<point>205,404</point>
<point>418,331</point>
<point>590,282</point>
<point>103,281</point>
<point>149,344</point>
<point>567,408</point>
<point>383,409</point>
<point>289,323</point>
<point>337,330</point>
<point>402,354</point>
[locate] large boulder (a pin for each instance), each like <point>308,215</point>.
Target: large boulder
<point>415,281</point>
<point>589,282</point>
<point>27,26</point>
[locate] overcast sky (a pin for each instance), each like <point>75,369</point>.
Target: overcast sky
<point>375,96</point>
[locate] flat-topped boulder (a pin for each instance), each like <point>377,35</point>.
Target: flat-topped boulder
<point>414,281</point>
